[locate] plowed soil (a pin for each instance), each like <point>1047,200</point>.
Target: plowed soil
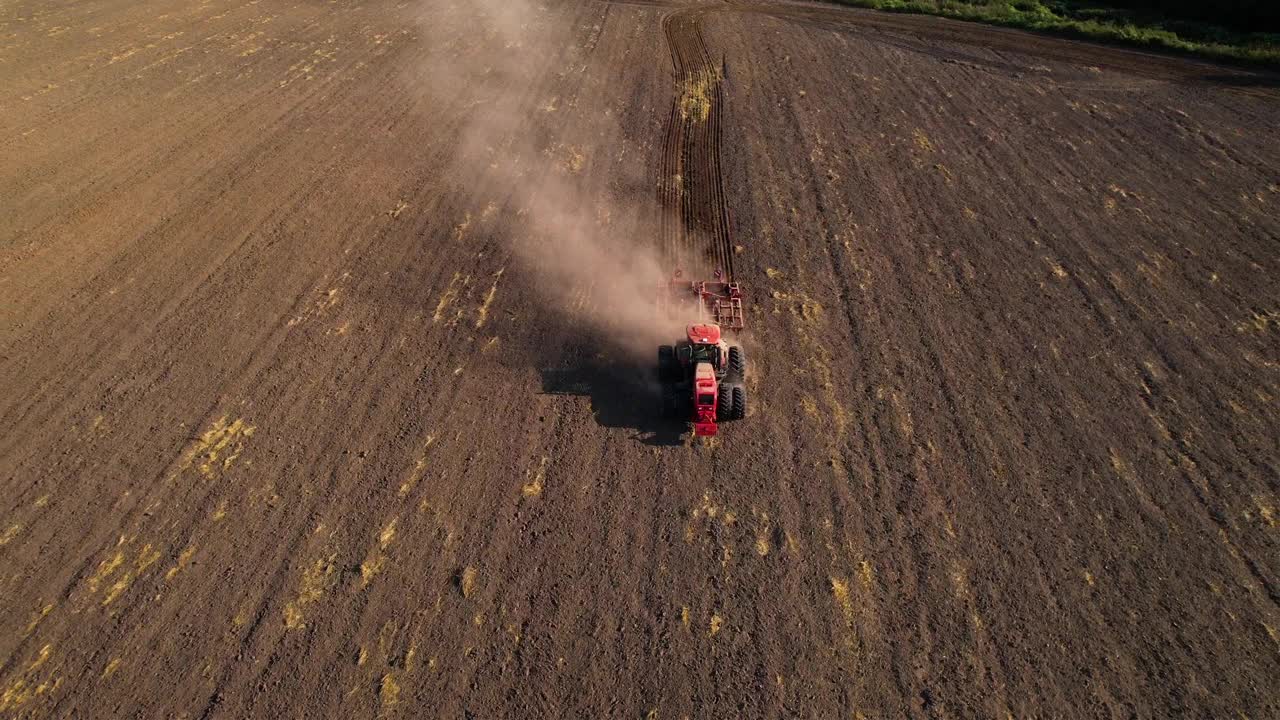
<point>288,429</point>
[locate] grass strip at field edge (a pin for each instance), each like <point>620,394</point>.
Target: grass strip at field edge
<point>1251,48</point>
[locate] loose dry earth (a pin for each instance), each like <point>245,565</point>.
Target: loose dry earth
<point>287,429</point>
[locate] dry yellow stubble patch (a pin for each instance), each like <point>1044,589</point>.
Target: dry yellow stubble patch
<point>218,447</point>
<point>315,582</point>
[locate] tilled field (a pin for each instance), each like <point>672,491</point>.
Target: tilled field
<point>297,420</point>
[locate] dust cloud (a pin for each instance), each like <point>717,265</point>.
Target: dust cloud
<point>591,255</point>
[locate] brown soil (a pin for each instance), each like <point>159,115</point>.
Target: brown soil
<point>286,430</point>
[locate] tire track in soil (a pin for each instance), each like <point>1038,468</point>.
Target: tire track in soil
<point>696,234</point>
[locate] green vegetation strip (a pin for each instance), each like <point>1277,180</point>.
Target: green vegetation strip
<point>1099,22</point>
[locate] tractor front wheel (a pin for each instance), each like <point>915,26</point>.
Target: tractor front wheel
<point>737,362</point>
<point>739,402</point>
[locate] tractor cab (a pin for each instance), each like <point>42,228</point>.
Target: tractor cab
<point>703,344</point>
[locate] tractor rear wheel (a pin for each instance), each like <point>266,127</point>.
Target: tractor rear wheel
<point>666,363</point>
<point>724,406</point>
<point>739,401</point>
<point>737,362</point>
<point>670,402</point>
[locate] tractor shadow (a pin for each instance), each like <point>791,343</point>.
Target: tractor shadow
<point>622,396</point>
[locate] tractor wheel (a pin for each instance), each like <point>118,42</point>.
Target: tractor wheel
<point>724,408</point>
<point>666,363</point>
<point>737,362</point>
<point>670,407</point>
<point>739,402</point>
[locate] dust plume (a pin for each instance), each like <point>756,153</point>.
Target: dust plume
<point>590,253</point>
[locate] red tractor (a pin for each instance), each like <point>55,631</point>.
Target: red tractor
<point>703,376</point>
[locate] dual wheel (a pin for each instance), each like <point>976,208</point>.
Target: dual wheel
<point>733,402</point>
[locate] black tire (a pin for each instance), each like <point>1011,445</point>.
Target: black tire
<point>739,395</point>
<point>724,408</point>
<point>670,402</point>
<point>666,363</point>
<point>737,362</point>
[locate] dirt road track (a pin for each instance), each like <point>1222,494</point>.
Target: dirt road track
<point>286,430</point>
